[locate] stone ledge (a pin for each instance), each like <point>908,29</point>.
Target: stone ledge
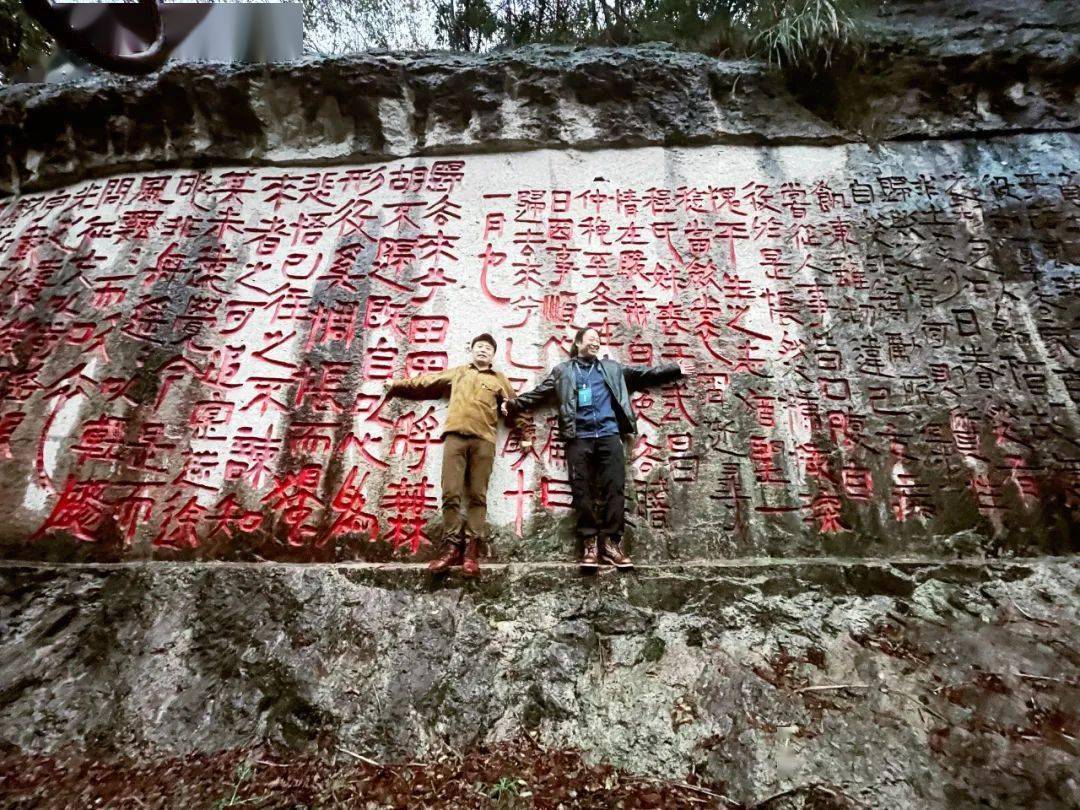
<point>937,70</point>
<point>908,683</point>
<point>843,574</point>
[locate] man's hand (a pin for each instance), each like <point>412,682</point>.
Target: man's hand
<point>688,367</point>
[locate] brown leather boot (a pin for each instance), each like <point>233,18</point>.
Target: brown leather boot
<point>471,566</point>
<point>611,553</point>
<point>454,555</point>
<point>588,558</point>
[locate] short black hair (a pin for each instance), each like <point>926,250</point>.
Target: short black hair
<point>577,338</point>
<point>486,338</point>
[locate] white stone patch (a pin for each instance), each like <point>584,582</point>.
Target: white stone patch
<point>576,120</point>
<point>396,117</point>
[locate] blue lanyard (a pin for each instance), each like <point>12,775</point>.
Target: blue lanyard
<point>588,371</point>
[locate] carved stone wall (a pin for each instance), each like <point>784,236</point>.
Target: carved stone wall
<point>194,359</point>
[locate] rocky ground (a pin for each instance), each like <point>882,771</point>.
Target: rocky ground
<point>899,684</point>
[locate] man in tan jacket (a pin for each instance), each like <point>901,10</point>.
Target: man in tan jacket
<point>476,393</point>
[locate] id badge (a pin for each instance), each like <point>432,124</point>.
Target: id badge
<point>584,396</point>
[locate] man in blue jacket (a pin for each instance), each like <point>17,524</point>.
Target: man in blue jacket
<point>595,413</point>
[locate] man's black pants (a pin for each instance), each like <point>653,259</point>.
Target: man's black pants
<point>600,464</point>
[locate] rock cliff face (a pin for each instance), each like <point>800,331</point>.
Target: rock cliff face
<point>883,343</point>
<point>933,70</point>
<point>206,277</point>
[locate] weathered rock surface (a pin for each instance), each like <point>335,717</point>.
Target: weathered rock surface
<point>901,684</point>
<point>884,332</point>
<point>945,69</point>
<point>885,360</point>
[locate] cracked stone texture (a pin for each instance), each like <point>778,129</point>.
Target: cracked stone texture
<point>944,69</point>
<point>897,684</point>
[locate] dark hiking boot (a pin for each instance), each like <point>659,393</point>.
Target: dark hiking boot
<point>611,553</point>
<point>590,554</point>
<point>471,566</point>
<point>453,556</point>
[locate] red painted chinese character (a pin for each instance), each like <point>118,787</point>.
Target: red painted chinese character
<point>857,482</point>
<point>361,445</point>
<point>428,329</point>
<point>825,508</point>
<point>102,439</point>
<point>409,503</point>
<point>336,323</point>
<point>294,495</point>
<point>79,511</point>
<point>414,433</point>
<point>229,515</point>
<point>9,423</point>
<point>180,525</point>
<point>349,516</point>
<point>762,451</point>
<point>555,493</point>
<point>252,457</point>
<point>379,360</point>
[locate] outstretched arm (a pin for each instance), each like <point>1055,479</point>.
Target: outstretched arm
<point>427,386</point>
<point>536,397</point>
<point>517,420</point>
<point>639,377</point>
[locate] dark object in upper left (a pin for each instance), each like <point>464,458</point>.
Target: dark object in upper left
<point>130,38</point>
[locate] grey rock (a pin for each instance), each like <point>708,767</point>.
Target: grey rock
<point>932,70</point>
<point>959,690</point>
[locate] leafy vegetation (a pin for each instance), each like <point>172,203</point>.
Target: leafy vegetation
<point>793,34</point>
<point>788,33</point>
<point>22,40</point>
<point>785,31</point>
